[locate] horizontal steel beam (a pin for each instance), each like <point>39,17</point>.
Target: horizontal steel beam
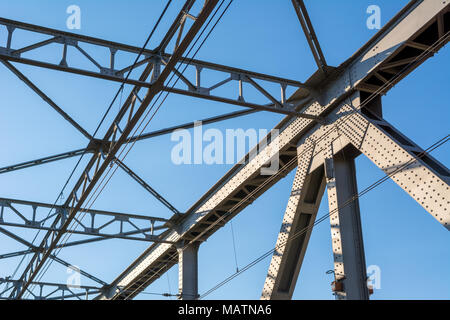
<point>51,291</point>
<point>203,71</point>
<point>97,223</point>
<point>119,215</point>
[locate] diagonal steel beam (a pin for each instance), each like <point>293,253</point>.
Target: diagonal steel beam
<point>41,161</point>
<point>244,181</point>
<point>39,92</point>
<point>301,211</point>
<point>76,269</point>
<point>190,125</point>
<point>16,254</point>
<point>177,24</point>
<point>87,185</point>
<point>16,237</point>
<point>92,147</point>
<point>146,186</point>
<point>55,287</point>
<point>310,34</point>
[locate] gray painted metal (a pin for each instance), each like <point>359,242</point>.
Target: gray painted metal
<point>99,224</point>
<point>375,68</point>
<point>346,230</point>
<point>156,58</point>
<point>301,211</point>
<point>310,34</point>
<point>188,271</point>
<point>244,183</point>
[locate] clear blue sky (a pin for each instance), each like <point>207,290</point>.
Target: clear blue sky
<point>410,247</point>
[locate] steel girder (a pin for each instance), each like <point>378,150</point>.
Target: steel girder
<point>52,291</point>
<point>99,164</point>
<point>203,86</point>
<point>244,183</point>
<point>358,126</point>
<point>346,230</point>
<point>94,146</point>
<point>100,224</point>
<point>188,271</point>
<point>310,34</point>
<point>301,211</point>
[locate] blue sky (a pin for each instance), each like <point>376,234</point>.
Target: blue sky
<point>410,247</point>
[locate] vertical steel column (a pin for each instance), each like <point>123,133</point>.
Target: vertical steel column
<point>188,271</point>
<point>347,242</point>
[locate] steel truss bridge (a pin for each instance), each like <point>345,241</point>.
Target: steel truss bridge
<point>332,118</point>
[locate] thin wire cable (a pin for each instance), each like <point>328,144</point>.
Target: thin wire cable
<point>168,283</point>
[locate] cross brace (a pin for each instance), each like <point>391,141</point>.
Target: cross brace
<point>104,224</point>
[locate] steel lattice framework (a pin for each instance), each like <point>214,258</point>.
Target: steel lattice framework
<point>333,117</point>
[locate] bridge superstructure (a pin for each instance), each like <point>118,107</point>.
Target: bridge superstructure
<point>332,118</point>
